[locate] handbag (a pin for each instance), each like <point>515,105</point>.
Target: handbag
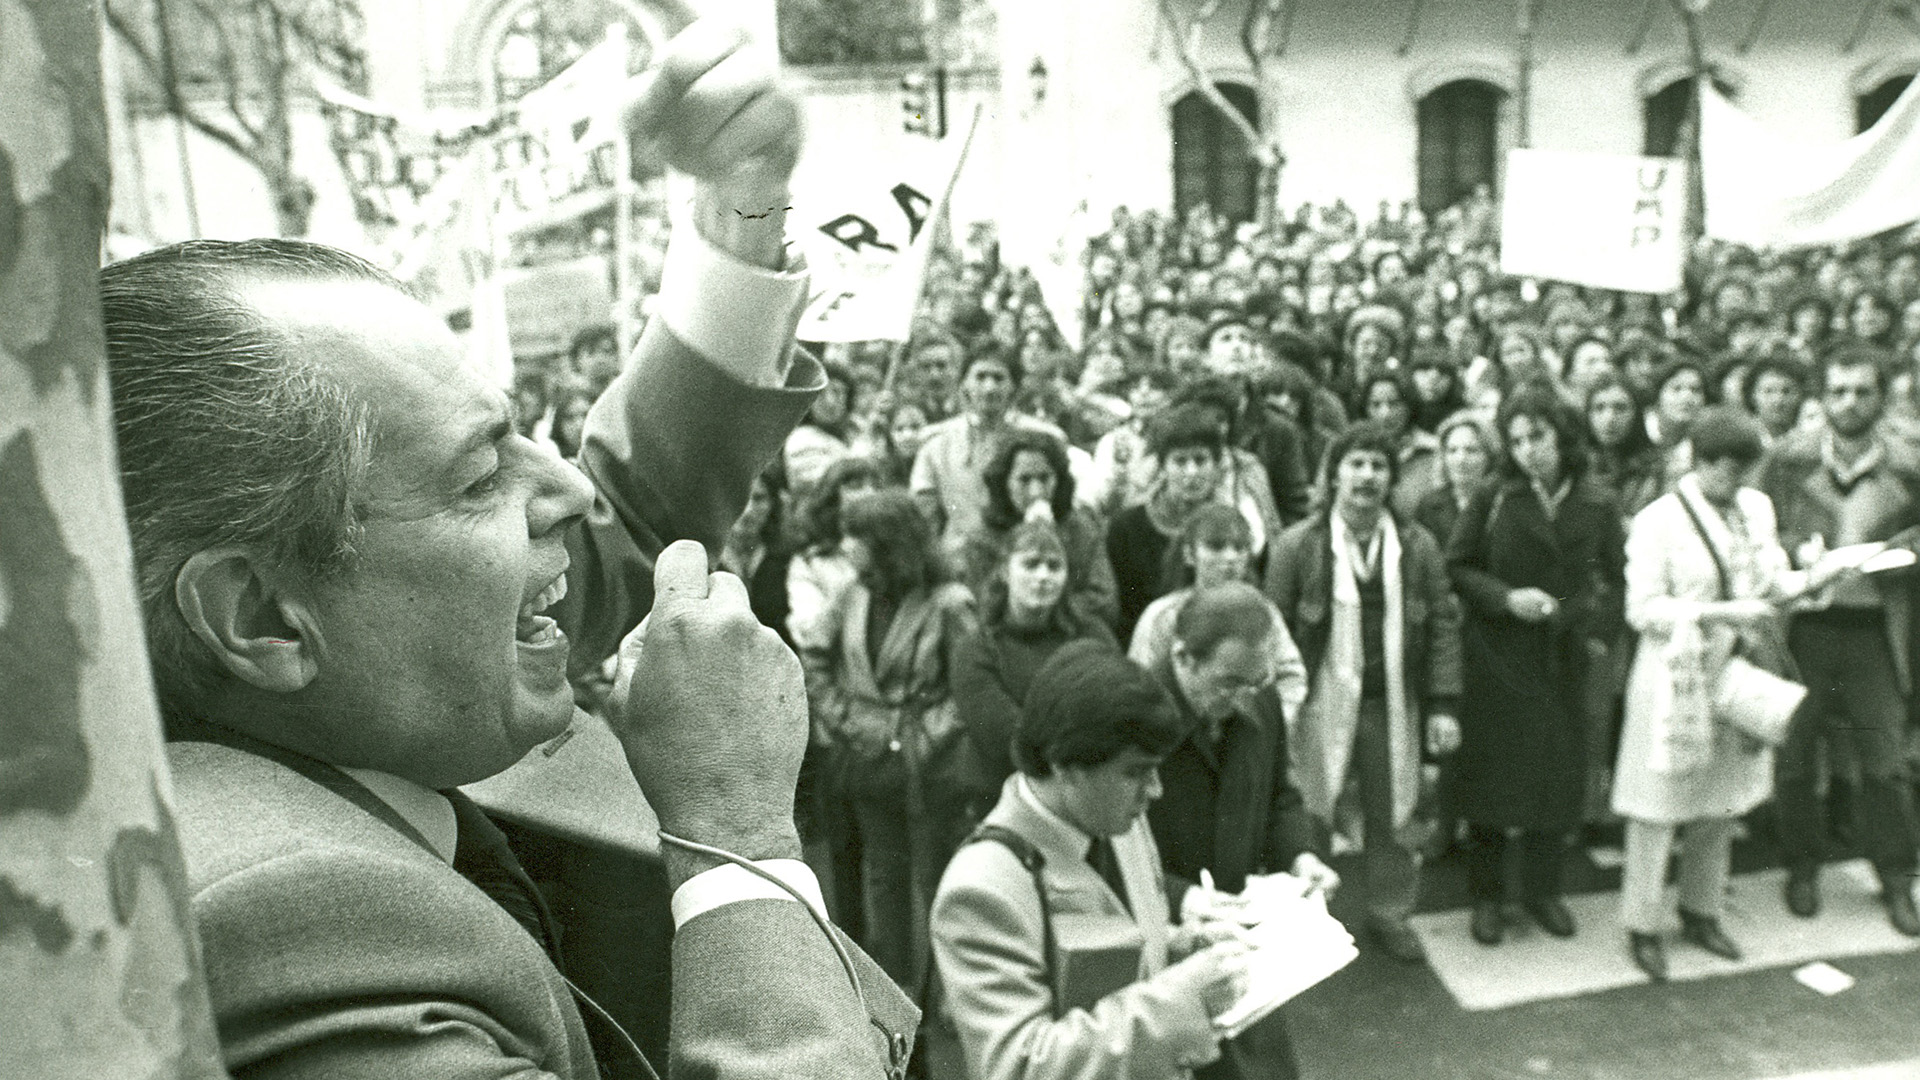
<point>1747,696</point>
<point>1087,956</point>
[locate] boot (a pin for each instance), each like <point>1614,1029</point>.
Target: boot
<point>1705,931</point>
<point>1648,954</point>
<point>1552,915</point>
<point>1487,923</point>
<point>1896,891</point>
<point>1802,890</point>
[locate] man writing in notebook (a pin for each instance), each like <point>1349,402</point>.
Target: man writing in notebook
<point>1068,839</point>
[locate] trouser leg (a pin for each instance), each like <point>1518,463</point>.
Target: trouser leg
<point>1644,879</point>
<point>1797,764</point>
<point>1486,854</point>
<point>886,886</point>
<point>1544,851</point>
<point>1875,729</point>
<point>1392,868</point>
<point>1706,854</point>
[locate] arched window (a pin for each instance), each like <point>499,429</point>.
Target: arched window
<point>1664,116</point>
<point>1869,107</point>
<point>539,40</point>
<point>1212,163</point>
<point>1459,142</point>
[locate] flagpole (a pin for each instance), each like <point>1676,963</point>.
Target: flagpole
<point>622,213</point>
<point>1690,12</point>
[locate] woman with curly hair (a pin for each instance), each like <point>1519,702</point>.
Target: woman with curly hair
<point>1537,562</point>
<point>880,689</point>
<point>819,573</point>
<point>1029,476</point>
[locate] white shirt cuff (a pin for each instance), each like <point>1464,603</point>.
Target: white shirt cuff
<point>739,316</point>
<point>731,884</point>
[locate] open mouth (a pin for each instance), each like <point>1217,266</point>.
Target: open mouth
<point>535,628</point>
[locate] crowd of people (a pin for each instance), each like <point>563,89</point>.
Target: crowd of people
<point>1480,551</point>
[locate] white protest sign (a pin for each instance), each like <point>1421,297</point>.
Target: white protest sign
<point>866,236</point>
<point>1614,221</point>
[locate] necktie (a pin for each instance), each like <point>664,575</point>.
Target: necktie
<point>482,856</point>
<point>1106,863</point>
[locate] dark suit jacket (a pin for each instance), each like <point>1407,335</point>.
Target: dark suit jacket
<point>337,948</point>
<point>1804,504</point>
<point>1231,809</point>
<point>1300,583</point>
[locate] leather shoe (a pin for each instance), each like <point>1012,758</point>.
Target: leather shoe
<point>1803,892</point>
<point>1552,915</point>
<point>1898,896</point>
<point>1705,931</point>
<point>1648,954</point>
<point>1398,940</point>
<point>1487,925</point>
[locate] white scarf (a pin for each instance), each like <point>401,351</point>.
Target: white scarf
<point>1332,713</point>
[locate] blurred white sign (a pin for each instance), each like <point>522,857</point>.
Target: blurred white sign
<point>1614,221</point>
<point>565,147</point>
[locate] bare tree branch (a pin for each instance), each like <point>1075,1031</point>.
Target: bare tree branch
<point>1186,41</point>
<point>170,92</point>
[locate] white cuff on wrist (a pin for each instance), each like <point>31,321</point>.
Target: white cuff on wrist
<point>728,884</point>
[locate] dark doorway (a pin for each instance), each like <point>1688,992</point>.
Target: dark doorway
<point>1869,107</point>
<point>1664,117</point>
<point>1212,163</point>
<point>1459,142</point>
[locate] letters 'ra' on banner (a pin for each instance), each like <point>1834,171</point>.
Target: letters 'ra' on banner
<point>867,235</point>
<point>1613,221</point>
<point>1766,191</point>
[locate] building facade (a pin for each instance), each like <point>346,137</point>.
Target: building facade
<point>1089,104</point>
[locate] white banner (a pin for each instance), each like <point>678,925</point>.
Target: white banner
<point>1613,221</point>
<point>1766,191</point>
<point>867,237</point>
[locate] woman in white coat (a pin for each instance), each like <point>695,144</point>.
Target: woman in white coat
<point>1681,771</point>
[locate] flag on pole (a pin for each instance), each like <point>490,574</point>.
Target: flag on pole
<point>1766,191</point>
<point>1613,221</point>
<point>867,238</point>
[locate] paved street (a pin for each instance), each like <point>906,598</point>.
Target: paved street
<point>1380,1019</point>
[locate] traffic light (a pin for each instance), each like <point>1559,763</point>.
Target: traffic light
<point>923,103</point>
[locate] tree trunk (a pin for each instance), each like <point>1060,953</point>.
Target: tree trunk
<point>99,972</point>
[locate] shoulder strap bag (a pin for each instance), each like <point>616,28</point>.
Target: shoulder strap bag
<point>1754,700</point>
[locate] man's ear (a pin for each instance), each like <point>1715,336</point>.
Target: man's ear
<point>258,629</point>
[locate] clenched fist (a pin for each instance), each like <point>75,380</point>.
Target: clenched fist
<point>713,108</point>
<point>712,712</point>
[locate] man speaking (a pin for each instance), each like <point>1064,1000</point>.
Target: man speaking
<point>355,576</point>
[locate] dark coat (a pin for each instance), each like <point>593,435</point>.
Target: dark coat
<point>992,669</point>
<point>1300,583</point>
<point>1230,809</point>
<point>1523,752</point>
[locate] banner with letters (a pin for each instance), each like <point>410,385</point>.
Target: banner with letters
<point>1613,221</point>
<point>867,238</point>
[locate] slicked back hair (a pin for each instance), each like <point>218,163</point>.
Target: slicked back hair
<point>226,436</point>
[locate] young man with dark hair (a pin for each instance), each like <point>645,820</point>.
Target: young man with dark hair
<point>1368,601</point>
<point>948,473</point>
<point>1849,485</point>
<point>1191,449</point>
<point>1072,822</point>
